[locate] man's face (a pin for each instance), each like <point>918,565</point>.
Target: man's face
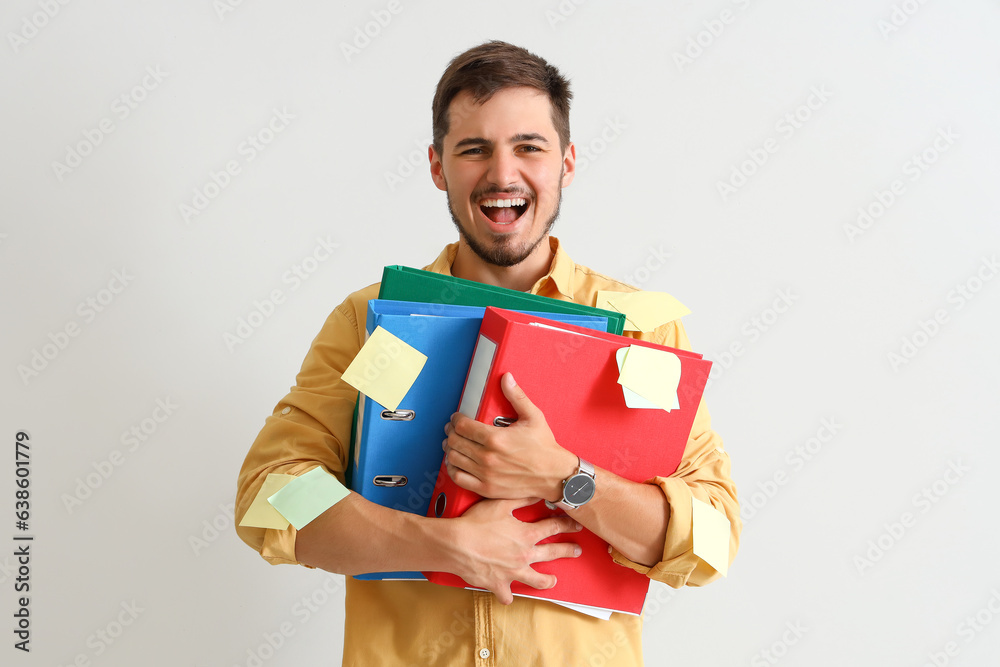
<point>503,170</point>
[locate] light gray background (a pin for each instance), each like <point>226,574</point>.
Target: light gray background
<point>672,130</point>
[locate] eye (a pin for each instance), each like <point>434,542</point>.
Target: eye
<point>530,149</point>
<point>473,151</point>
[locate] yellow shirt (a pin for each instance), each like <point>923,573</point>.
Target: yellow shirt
<point>402,623</point>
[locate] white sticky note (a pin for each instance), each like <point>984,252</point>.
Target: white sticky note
<point>710,529</point>
<point>653,374</point>
<point>307,496</point>
<point>644,311</point>
<point>385,368</point>
<point>260,514</point>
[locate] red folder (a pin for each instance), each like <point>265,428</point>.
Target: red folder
<point>571,374</point>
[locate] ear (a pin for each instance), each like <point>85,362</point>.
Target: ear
<point>569,165</point>
<point>437,169</point>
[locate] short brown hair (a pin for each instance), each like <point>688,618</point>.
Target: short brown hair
<point>490,67</point>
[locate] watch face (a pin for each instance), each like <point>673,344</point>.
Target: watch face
<point>579,489</point>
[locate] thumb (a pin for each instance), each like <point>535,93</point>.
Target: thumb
<point>518,399</point>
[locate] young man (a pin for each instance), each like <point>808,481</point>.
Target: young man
<point>502,154</point>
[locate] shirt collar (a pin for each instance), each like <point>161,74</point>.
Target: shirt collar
<point>561,270</point>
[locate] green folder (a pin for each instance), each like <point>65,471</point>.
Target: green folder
<point>402,283</point>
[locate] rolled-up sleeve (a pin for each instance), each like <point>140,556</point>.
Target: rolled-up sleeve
<point>703,473</point>
<point>311,425</point>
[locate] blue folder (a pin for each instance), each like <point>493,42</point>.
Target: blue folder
<point>397,453</point>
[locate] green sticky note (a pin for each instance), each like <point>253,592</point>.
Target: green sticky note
<point>309,495</point>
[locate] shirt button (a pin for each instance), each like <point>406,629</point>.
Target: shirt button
<point>286,411</point>
<point>484,653</point>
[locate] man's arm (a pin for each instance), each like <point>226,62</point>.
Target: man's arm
<point>311,426</point>
<point>524,459</point>
<point>487,546</point>
<point>648,525</point>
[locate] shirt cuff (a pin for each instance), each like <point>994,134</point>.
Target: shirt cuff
<point>278,547</point>
<point>679,566</point>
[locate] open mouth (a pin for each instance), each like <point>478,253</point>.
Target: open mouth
<point>503,211</point>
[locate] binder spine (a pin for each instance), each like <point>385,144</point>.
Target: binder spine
<point>479,372</point>
<point>358,430</point>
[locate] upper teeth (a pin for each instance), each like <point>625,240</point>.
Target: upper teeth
<point>505,203</point>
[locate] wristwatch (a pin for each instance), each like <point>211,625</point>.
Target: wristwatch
<point>579,488</point>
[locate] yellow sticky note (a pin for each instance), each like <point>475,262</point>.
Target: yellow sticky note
<point>260,514</point>
<point>307,496</point>
<point>385,368</point>
<point>710,530</point>
<point>644,311</point>
<point>653,374</point>
<point>632,399</point>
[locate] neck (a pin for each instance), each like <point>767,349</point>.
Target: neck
<point>520,277</point>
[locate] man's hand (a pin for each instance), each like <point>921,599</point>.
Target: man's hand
<point>495,549</point>
<point>519,461</point>
<point>486,546</point>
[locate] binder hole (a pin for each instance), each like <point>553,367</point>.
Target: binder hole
<point>398,415</point>
<point>390,480</point>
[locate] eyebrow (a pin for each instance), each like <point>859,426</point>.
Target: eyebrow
<point>480,141</point>
<point>533,136</point>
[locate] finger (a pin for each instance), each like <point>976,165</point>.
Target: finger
<point>468,429</point>
<point>465,480</point>
<point>556,526</point>
<point>524,407</point>
<point>459,460</point>
<point>504,596</point>
<point>464,446</point>
<point>536,579</point>
<point>556,550</point>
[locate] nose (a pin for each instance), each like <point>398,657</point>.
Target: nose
<point>502,171</point>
